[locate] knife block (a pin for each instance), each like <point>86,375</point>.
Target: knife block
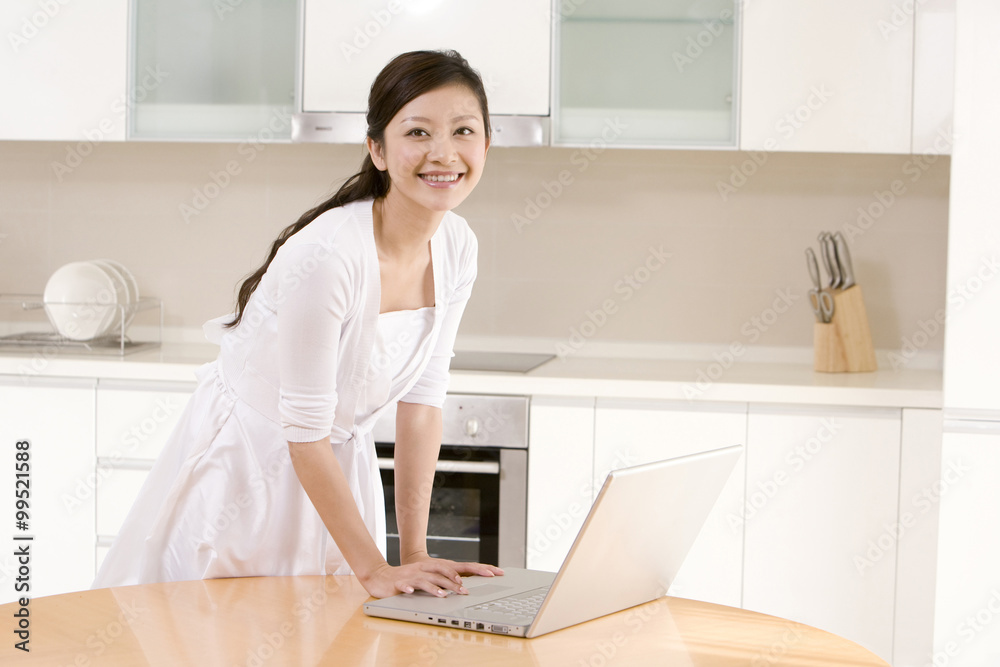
<point>845,343</point>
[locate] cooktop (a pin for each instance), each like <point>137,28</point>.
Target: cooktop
<point>508,362</point>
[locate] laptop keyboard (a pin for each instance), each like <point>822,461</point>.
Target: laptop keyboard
<point>515,606</point>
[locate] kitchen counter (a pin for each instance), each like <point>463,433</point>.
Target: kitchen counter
<point>609,377</point>
<point>315,620</point>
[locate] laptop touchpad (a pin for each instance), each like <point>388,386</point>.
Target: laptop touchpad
<point>488,589</point>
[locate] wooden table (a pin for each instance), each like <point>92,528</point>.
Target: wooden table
<point>314,620</point>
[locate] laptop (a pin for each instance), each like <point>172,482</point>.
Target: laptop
<point>631,546</point>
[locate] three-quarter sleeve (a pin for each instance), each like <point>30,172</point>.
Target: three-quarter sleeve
<point>313,296</point>
<point>431,387</point>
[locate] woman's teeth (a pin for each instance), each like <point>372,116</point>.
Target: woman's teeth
<point>440,178</point>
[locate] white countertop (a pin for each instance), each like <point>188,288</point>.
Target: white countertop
<point>609,377</point>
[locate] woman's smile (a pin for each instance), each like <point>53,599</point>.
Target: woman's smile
<point>441,179</point>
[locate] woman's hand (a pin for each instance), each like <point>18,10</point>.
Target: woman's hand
<point>436,576</point>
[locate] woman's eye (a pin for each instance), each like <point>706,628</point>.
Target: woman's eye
<point>417,132</point>
<point>464,130</point>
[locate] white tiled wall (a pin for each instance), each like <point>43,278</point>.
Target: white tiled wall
<point>730,257</point>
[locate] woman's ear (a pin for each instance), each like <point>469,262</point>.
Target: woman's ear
<point>375,151</point>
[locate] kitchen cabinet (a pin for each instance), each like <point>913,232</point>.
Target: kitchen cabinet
<point>827,77</point>
<point>933,77</point>
<point>560,476</point>
<point>346,44</point>
<point>214,71</point>
<point>56,416</point>
<point>821,519</point>
<point>967,621</point>
<point>967,606</point>
<point>628,433</point>
<point>134,421</point>
<point>916,548</point>
<point>638,73</point>
<point>63,72</point>
<point>971,354</point>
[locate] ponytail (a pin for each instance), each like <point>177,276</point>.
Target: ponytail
<point>369,183</point>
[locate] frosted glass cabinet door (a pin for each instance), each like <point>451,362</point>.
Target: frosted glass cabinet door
<point>348,43</point>
<point>644,73</point>
<point>213,70</point>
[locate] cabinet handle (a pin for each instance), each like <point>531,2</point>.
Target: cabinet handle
<point>474,467</point>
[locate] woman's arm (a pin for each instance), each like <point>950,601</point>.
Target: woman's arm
<point>418,441</point>
<point>323,480</point>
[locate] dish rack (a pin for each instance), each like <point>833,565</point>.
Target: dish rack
<point>25,328</point>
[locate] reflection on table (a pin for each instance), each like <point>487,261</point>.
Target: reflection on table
<point>314,620</point>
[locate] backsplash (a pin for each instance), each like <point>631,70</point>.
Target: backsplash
<point>577,246</point>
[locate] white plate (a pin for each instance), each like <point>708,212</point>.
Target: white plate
<point>121,297</point>
<point>133,286</point>
<point>80,300</point>
<point>133,289</point>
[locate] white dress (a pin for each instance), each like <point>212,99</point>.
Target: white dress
<point>223,499</point>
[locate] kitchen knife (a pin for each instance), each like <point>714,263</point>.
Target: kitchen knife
<point>844,260</point>
<point>820,299</point>
<point>829,254</point>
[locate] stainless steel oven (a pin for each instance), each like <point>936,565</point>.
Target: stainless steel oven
<point>479,499</point>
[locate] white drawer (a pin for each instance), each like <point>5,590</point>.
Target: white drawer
<point>102,551</point>
<point>116,493</point>
<point>135,419</point>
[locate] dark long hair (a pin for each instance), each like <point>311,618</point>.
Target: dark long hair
<point>405,78</point>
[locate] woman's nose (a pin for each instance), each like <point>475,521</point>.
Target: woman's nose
<point>443,150</point>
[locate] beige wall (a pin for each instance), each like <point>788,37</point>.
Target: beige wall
<point>729,256</point>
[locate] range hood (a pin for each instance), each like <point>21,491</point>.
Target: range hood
<point>346,44</point>
<point>349,128</point>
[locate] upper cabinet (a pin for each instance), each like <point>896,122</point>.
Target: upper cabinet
<point>221,70</point>
<point>827,77</point>
<point>62,70</point>
<point>647,73</point>
<point>934,77</point>
<point>860,76</point>
<point>346,44</point>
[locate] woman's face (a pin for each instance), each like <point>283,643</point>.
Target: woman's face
<point>434,149</point>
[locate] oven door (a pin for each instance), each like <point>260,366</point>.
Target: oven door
<point>474,512</point>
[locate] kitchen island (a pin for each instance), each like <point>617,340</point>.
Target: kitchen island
<point>316,620</point>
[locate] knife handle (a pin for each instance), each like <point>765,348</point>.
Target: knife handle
<point>844,259</point>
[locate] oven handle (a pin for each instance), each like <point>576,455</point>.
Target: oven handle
<point>474,467</point>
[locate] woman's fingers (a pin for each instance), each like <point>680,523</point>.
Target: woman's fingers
<point>439,576</point>
<point>433,583</point>
<point>482,569</point>
<point>435,576</point>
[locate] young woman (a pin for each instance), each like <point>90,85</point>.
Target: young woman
<point>272,470</point>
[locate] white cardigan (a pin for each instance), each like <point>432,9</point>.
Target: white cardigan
<point>302,350</point>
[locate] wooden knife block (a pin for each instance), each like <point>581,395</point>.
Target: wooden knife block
<point>845,343</point>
